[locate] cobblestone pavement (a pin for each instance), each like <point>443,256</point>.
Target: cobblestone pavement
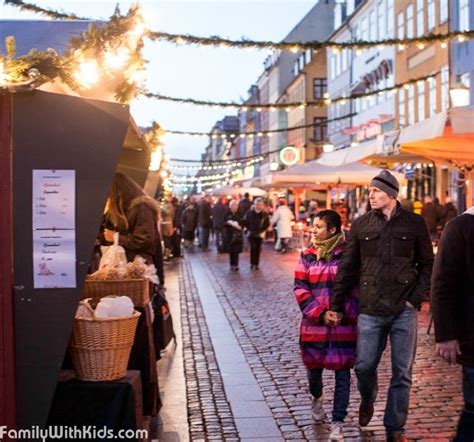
<point>209,413</point>
<point>265,319</point>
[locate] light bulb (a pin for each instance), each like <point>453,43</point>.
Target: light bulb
<point>88,73</point>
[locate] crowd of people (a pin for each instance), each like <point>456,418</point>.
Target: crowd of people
<point>355,291</point>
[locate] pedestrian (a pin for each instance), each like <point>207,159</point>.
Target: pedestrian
<point>450,211</point>
<point>204,221</point>
<point>189,224</point>
<point>324,346</point>
<point>177,230</point>
<point>283,218</point>
<point>256,221</point>
<point>218,213</point>
<point>452,305</point>
<point>390,256</point>
<point>430,214</point>
<point>233,234</point>
<point>311,212</point>
<point>167,228</point>
<point>244,204</point>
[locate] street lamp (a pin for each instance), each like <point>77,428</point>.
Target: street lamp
<point>459,93</point>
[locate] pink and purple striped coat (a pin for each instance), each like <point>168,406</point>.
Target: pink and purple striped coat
<point>321,346</point>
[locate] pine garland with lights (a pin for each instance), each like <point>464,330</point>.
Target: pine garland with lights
<point>245,43</point>
<point>258,133</point>
<point>39,67</point>
<point>50,13</point>
<point>285,106</point>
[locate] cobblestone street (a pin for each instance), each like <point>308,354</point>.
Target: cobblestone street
<point>244,375</point>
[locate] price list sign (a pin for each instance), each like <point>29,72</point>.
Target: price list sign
<point>54,228</point>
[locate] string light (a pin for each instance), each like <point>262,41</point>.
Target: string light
<point>88,73</point>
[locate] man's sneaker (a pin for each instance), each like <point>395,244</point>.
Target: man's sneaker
<point>366,411</point>
<point>336,432</point>
<point>317,411</point>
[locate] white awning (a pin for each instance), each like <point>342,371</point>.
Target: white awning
<point>349,154</point>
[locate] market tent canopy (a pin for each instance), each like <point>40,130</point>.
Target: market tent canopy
<point>313,173</point>
<point>447,137</point>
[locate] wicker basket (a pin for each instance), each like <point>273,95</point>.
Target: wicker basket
<point>100,348</point>
<point>138,290</point>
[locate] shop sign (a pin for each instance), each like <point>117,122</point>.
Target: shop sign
<point>289,155</point>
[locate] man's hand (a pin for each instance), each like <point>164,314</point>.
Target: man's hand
<point>448,350</point>
<point>332,319</point>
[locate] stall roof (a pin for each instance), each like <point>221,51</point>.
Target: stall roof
<point>447,137</point>
<point>314,173</point>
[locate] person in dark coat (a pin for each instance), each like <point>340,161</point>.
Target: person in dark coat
<point>177,234</point>
<point>256,221</point>
<point>233,234</point>
<point>204,221</point>
<point>390,256</point>
<point>134,216</point>
<point>218,213</point>
<point>452,305</point>
<point>188,224</point>
<point>245,204</point>
<point>431,215</point>
<point>450,211</point>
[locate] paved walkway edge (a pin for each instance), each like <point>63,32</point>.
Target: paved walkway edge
<point>253,417</point>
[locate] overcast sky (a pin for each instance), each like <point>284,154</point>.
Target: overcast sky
<point>190,71</point>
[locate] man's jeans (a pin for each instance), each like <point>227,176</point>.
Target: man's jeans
<point>341,392</point>
<point>466,422</point>
<point>204,237</point>
<point>371,341</point>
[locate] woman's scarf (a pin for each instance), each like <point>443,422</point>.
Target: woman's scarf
<point>325,249</point>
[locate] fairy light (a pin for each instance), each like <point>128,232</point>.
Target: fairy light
<point>116,60</point>
<point>88,73</point>
<point>420,45</point>
<point>444,45</point>
<point>401,47</point>
<point>3,76</point>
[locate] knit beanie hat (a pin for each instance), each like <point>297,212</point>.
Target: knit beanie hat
<point>386,182</point>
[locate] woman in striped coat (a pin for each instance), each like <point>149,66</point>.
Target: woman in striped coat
<point>323,343</point>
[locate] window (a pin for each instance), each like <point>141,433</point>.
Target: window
<point>432,99</point>
<point>420,19</point>
<point>401,25</point>
<point>333,67</point>
<point>390,18</point>
<point>320,132</point>
<point>295,68</point>
<point>401,108</point>
<point>301,62</point>
<point>443,11</point>
<point>365,29</point>
<point>444,87</point>
<point>464,15</point>
<point>372,25</point>
<point>421,100</point>
<point>411,104</point>
<point>320,87</point>
<point>345,55</point>
<point>409,12</point>
<point>431,14</point>
<point>338,64</point>
<point>381,20</point>
<point>309,55</point>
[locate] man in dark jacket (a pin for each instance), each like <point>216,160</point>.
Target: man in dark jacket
<point>389,255</point>
<point>204,221</point>
<point>452,304</point>
<point>257,222</point>
<point>244,204</point>
<point>431,214</point>
<point>218,213</point>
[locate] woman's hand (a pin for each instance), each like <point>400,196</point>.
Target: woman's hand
<point>109,235</point>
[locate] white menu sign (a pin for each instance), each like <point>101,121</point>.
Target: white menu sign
<point>54,258</point>
<point>54,224</point>
<point>54,199</point>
